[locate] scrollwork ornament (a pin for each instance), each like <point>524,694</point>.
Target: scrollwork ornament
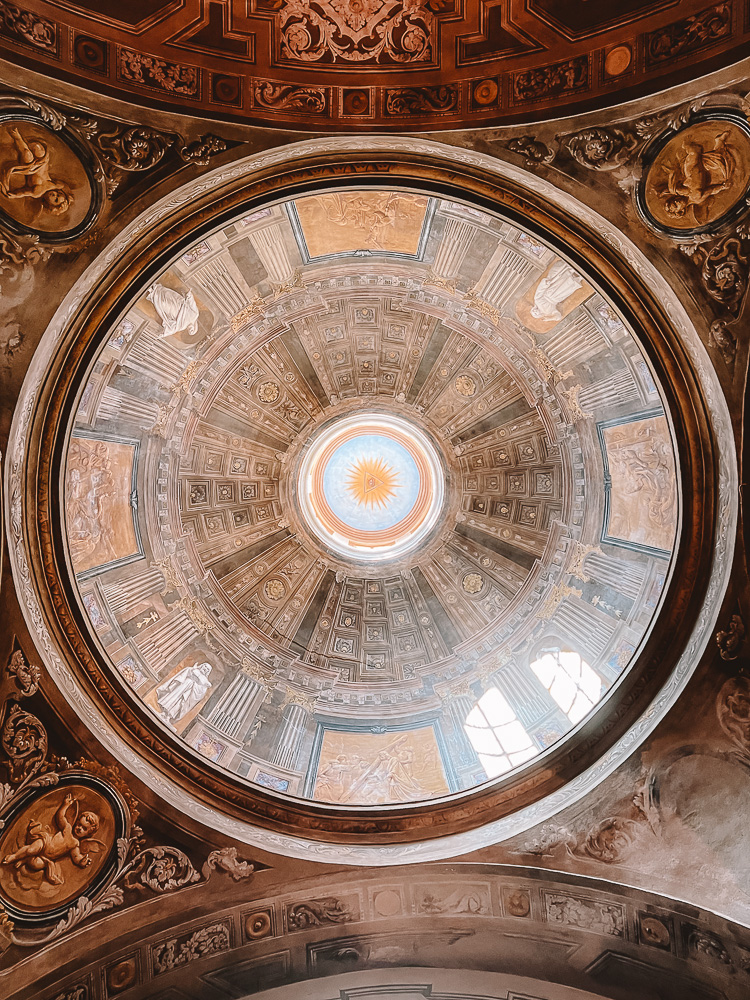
<point>128,148</point>
<point>161,869</point>
<point>533,150</point>
<point>24,741</point>
<point>722,338</point>
<point>729,640</point>
<point>733,711</point>
<point>603,148</point>
<point>724,270</point>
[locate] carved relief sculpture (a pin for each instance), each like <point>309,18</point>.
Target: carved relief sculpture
<point>697,179</point>
<point>364,32</point>
<point>48,185</point>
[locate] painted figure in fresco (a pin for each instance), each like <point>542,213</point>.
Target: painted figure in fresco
<point>388,778</point>
<point>44,848</point>
<point>701,173</point>
<point>180,694</point>
<point>28,176</point>
<point>553,289</point>
<point>86,495</point>
<point>365,214</point>
<point>649,472</point>
<point>178,313</point>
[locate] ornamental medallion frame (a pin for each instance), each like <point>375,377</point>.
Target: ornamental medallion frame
<point>35,152</point>
<point>501,808</point>
<point>656,151</point>
<point>90,790</point>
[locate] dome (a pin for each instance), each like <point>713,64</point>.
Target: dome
<point>370,498</point>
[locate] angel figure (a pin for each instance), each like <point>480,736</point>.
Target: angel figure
<point>44,848</point>
<point>702,172</point>
<point>29,177</point>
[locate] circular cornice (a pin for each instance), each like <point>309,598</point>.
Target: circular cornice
<point>697,585</point>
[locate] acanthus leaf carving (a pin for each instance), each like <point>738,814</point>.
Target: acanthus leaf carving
<point>729,640</point>
<point>722,338</point>
<point>368,31</point>
<point>603,148</point>
<point>533,150</point>
<point>225,859</point>
<point>724,268</point>
<point>201,149</point>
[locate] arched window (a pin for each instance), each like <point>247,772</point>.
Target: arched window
<point>498,738</point>
<point>574,685</point>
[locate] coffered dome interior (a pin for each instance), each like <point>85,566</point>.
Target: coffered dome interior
<point>370,498</point>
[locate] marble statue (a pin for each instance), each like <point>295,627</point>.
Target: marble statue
<point>181,693</point>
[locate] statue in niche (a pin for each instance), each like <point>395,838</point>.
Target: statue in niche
<point>553,290</point>
<point>28,176</point>
<point>44,848</point>
<point>178,313</point>
<point>181,693</point>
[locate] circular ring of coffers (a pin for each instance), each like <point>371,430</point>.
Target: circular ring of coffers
<point>41,566</point>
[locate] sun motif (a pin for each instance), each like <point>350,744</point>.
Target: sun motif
<point>372,482</point>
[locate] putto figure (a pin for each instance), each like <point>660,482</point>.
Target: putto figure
<point>44,848</point>
<point>702,172</point>
<point>29,177</point>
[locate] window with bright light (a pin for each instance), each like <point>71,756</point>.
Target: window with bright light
<point>499,740</point>
<point>574,685</point>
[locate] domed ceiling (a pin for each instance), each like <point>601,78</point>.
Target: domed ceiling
<point>370,498</point>
<point>350,64</point>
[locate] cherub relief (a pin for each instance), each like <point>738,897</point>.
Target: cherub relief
<point>701,172</point>
<point>45,847</point>
<point>28,176</point>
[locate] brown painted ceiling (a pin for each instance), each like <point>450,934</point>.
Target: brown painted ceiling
<point>385,64</point>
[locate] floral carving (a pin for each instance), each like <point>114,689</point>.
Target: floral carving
<point>602,148</point>
<point>720,337</point>
<point>160,869</point>
<point>420,100</point>
<point>318,911</point>
<point>708,945</point>
<point>22,676</point>
<point>28,27</point>
<point>202,149</point>
<point>277,97</point>
<point>729,640</point>
<point>14,254</point>
<point>175,952</point>
<point>365,31</point>
<point>550,81</point>
<point>690,34</point>
<point>122,146</point>
<point>158,73</point>
<point>24,740</point>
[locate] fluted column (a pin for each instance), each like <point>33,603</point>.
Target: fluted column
<point>290,737</point>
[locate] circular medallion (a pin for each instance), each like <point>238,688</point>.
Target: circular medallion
<point>58,844</point>
<point>698,177</point>
<point>371,487</point>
